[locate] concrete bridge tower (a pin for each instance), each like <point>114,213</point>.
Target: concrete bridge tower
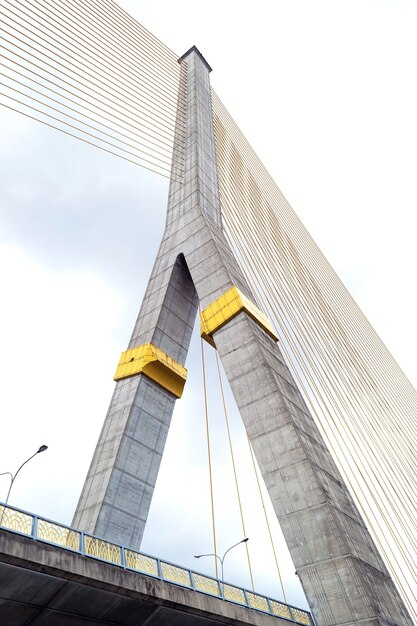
<point>343,576</point>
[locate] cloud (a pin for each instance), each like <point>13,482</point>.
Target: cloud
<point>52,328</point>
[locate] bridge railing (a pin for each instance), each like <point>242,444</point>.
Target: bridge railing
<point>45,530</point>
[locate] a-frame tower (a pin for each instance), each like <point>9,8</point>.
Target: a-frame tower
<point>342,573</point>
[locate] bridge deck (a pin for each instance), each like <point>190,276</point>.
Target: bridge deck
<point>47,585</point>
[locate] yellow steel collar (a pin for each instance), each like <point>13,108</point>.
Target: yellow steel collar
<point>225,308</point>
<point>154,363</point>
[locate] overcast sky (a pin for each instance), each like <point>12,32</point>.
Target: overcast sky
<point>325,92</point>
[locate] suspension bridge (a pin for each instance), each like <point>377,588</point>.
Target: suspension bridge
<point>328,412</point>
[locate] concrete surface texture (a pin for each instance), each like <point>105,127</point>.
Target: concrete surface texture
<point>343,576</point>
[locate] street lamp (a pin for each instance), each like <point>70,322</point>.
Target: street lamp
<point>13,477</point>
<point>198,556</point>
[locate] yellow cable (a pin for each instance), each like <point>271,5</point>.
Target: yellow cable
<point>209,459</point>
<point>234,469</point>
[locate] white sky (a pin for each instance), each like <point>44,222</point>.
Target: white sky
<point>326,94</point>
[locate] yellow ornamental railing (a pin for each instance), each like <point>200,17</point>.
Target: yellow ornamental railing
<point>41,529</point>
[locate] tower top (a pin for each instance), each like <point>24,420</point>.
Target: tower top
<point>195,49</point>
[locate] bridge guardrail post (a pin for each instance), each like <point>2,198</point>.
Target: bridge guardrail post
<point>82,548</point>
<point>123,557</point>
<point>158,564</point>
<point>191,579</point>
<point>246,598</point>
<point>35,527</point>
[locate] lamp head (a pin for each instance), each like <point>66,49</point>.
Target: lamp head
<point>245,540</point>
<point>42,449</point>
<point>197,556</point>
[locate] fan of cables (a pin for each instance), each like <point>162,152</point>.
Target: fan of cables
<point>364,405</point>
<point>92,72</point>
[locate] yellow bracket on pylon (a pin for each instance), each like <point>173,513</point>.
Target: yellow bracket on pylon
<point>154,363</point>
<point>226,308</point>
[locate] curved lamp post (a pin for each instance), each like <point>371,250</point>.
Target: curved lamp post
<point>198,556</point>
<point>13,477</point>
